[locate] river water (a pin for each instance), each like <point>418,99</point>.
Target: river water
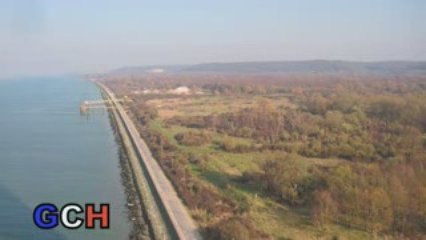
<point>50,153</point>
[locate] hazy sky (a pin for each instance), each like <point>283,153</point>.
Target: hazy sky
<point>66,36</point>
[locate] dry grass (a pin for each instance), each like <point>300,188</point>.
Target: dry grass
<point>206,105</point>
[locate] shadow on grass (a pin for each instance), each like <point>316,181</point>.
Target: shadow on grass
<point>220,180</point>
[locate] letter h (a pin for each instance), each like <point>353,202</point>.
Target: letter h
<point>102,215</point>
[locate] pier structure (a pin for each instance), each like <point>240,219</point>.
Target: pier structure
<point>87,105</point>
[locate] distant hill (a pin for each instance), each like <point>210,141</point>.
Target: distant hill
<point>287,67</point>
<point>315,66</point>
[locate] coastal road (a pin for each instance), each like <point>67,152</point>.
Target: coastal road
<point>178,215</point>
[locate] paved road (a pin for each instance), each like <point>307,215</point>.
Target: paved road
<point>176,210</point>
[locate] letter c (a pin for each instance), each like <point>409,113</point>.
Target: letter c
<point>65,216</point>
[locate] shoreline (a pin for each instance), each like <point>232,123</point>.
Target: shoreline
<point>146,216</point>
<point>167,215</point>
<point>135,214</point>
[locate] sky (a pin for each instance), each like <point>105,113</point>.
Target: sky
<point>40,37</point>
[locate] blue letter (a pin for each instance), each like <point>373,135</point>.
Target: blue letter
<point>49,220</point>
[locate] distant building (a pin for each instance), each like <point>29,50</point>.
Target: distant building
<point>151,91</point>
<point>183,90</point>
<point>156,70</point>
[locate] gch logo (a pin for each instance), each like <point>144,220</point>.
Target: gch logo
<point>71,216</point>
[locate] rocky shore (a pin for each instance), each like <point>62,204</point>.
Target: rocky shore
<point>140,229</point>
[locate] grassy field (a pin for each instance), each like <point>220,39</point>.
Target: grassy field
<point>207,105</point>
<point>221,169</point>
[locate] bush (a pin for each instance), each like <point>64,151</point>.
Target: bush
<point>284,179</point>
<point>235,228</point>
<point>230,145</point>
<point>193,138</point>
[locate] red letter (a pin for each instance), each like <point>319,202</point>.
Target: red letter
<point>102,215</point>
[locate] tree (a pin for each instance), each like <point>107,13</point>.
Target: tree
<point>386,109</point>
<point>323,209</point>
<point>317,104</point>
<point>282,178</point>
<point>344,103</point>
<point>376,209</point>
<point>334,120</point>
<point>400,202</point>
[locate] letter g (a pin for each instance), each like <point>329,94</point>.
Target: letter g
<point>48,220</point>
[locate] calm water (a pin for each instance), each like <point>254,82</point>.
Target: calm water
<point>49,153</point>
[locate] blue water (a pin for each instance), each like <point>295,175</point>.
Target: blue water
<point>50,153</point>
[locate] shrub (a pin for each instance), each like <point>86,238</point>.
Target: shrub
<point>235,228</point>
<point>192,138</point>
<point>284,179</point>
